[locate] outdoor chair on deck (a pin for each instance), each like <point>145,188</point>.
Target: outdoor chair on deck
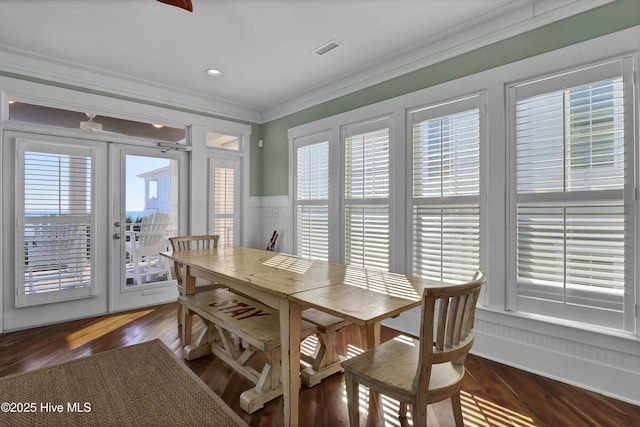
<point>181,243</point>
<point>145,245</point>
<point>56,255</point>
<point>427,370</point>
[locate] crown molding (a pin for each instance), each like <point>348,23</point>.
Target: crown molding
<point>518,18</point>
<point>48,70</point>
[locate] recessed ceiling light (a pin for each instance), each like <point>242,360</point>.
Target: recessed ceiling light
<point>157,126</point>
<point>213,72</point>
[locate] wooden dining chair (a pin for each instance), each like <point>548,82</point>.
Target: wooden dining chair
<point>181,243</point>
<point>427,370</point>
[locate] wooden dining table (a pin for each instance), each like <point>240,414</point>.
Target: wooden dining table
<point>290,284</point>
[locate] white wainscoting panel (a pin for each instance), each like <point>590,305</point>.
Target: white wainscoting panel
<point>269,214</point>
<point>605,364</point>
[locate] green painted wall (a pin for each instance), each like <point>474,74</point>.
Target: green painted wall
<point>607,19</point>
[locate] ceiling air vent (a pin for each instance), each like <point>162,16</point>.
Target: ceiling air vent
<point>326,47</point>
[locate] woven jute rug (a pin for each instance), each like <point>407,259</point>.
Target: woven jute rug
<point>141,385</point>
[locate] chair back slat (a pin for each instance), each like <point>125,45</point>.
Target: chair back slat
<point>440,321</point>
<point>453,322</point>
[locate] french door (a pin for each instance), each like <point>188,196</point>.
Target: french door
<point>146,196</point>
<point>87,221</point>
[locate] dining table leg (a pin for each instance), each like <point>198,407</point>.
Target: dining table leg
<point>290,324</point>
<point>372,334</point>
<point>188,288</point>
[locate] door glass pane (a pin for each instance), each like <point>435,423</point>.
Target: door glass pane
<point>151,217</point>
<point>56,222</point>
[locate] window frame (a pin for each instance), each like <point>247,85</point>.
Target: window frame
<point>226,162</point>
<point>297,144</point>
<point>529,301</point>
<point>431,111</point>
<point>363,127</point>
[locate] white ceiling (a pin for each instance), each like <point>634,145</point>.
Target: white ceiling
<point>264,47</point>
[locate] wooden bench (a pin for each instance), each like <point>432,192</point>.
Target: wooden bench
<point>318,351</point>
<point>235,328</point>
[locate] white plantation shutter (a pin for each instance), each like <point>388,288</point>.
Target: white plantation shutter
<point>312,198</point>
<point>313,232</point>
<point>571,208</point>
<point>225,215</point>
<point>446,189</point>
<point>56,227</point>
<point>367,165</point>
<point>367,237</point>
<point>446,242</point>
<point>366,195</point>
<point>571,248</point>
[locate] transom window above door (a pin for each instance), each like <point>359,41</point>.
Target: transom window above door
<point>91,122</point>
<point>224,141</point>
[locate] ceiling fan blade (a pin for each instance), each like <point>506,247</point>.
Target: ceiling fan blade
<point>183,4</point>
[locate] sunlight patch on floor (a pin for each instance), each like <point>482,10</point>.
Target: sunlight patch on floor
<point>102,327</point>
<point>479,412</point>
<point>476,411</point>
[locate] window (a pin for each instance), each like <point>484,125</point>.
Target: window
<point>446,189</point>
<point>32,113</point>
<point>224,176</point>
<point>534,181</point>
<point>573,200</point>
<point>366,194</point>
<point>223,141</point>
<point>312,197</point>
<point>55,208</point>
<point>227,181</point>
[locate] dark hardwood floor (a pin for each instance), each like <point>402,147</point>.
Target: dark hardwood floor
<point>493,394</point>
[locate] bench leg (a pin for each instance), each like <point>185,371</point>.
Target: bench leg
<point>231,348</point>
<point>268,386</point>
<point>267,382</point>
<point>325,362</point>
<point>185,322</point>
<point>203,344</point>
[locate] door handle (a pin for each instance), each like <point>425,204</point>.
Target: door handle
<point>116,236</point>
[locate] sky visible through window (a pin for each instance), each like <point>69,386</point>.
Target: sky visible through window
<point>39,200</point>
<point>137,165</point>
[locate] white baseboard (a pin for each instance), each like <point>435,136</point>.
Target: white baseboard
<point>608,380</point>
